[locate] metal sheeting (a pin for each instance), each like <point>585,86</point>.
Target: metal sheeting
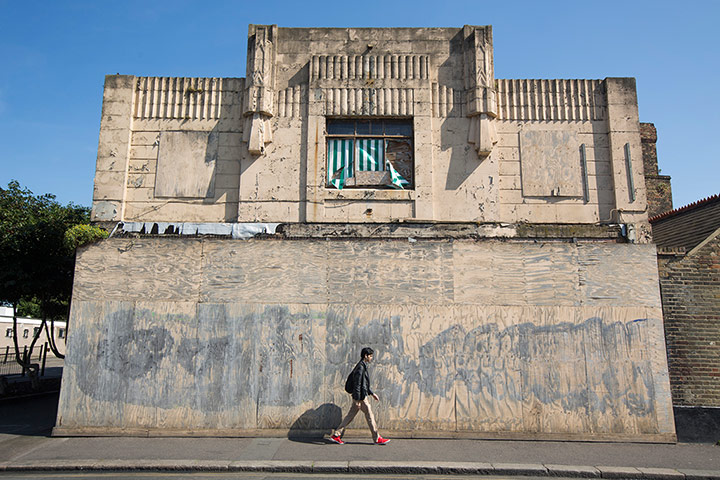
<point>234,230</point>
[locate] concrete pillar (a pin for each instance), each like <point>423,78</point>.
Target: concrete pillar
<point>113,148</point>
<point>423,147</point>
<point>624,128</point>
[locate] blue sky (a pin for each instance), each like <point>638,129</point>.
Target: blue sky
<point>54,56</point>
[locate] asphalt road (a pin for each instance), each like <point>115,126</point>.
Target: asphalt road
<point>245,476</point>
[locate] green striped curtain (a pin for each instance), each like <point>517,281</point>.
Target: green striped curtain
<point>395,177</point>
<point>340,161</point>
<point>371,155</point>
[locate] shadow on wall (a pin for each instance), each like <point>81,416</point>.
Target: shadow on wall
<point>314,424</point>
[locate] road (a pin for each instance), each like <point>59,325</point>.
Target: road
<point>244,476</point>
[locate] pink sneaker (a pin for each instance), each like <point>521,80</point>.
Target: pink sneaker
<point>337,439</point>
<point>381,441</point>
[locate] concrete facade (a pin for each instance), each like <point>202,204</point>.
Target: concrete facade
<point>499,260</point>
<point>263,138</point>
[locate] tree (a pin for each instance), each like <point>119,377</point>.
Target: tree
<point>37,260</point>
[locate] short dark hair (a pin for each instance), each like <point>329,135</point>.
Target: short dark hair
<point>366,351</point>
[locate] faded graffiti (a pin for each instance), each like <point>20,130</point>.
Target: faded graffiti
<point>279,357</point>
<point>526,360</point>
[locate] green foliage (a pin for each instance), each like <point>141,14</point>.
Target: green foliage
<point>29,307</point>
<point>80,235</point>
<point>37,264</point>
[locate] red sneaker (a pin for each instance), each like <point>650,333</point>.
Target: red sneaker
<point>337,439</point>
<point>381,441</point>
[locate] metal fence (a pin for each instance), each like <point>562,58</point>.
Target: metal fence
<point>8,365</point>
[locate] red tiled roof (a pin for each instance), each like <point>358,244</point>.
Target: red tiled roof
<point>691,206</point>
<point>686,227</point>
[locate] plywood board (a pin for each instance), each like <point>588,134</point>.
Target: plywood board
<point>618,275</point>
<point>489,337</point>
<point>264,272</point>
<point>389,272</point>
<point>142,269</point>
<point>550,162</point>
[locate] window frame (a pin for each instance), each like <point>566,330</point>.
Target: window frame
<point>405,122</point>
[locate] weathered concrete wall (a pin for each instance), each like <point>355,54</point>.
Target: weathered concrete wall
<point>488,338</point>
<point>580,160</point>
<point>140,114</point>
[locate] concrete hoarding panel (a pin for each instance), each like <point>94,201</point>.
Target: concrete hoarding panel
<point>270,349</point>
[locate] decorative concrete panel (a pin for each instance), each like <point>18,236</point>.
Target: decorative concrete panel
<point>551,100</point>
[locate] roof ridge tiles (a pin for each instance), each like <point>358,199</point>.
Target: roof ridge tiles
<point>685,208</point>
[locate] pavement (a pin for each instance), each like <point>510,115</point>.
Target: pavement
<point>26,446</point>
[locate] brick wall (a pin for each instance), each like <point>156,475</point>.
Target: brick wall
<point>690,288</point>
<point>659,193</point>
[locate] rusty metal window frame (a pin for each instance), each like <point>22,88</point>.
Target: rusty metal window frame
<point>359,132</point>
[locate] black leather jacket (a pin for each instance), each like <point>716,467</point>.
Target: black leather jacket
<point>361,381</point>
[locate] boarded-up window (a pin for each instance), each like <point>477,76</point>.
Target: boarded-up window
<point>186,164</point>
<point>550,164</point>
<point>369,153</point>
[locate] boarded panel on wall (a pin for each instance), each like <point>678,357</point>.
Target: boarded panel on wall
<point>550,162</point>
<point>186,164</point>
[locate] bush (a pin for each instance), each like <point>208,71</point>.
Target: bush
<point>80,235</point>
